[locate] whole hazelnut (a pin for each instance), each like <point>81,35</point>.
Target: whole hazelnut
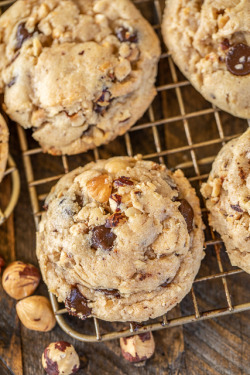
<point>20,280</point>
<point>36,313</point>
<point>2,264</point>
<point>60,358</point>
<point>138,348</point>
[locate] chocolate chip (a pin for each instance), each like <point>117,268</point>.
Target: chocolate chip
<point>51,366</point>
<point>103,102</point>
<point>12,82</point>
<point>21,35</point>
<point>225,44</point>
<point>81,53</point>
<point>122,181</point>
<point>115,219</point>
<point>238,59</point>
<point>187,212</point>
<point>77,304</point>
<point>79,200</point>
<point>62,345</point>
<point>102,238</point>
<point>110,292</point>
<point>236,207</point>
<point>124,35</point>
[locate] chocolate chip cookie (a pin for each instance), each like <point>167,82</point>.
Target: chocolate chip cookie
<point>78,72</point>
<point>4,146</point>
<point>210,42</point>
<point>227,194</point>
<point>121,239</point>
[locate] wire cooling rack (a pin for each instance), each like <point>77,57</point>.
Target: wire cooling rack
<point>182,130</point>
<point>15,189</point>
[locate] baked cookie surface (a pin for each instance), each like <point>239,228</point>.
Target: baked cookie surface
<point>121,239</point>
<point>227,194</point>
<point>79,72</point>
<point>210,42</point>
<point>4,146</point>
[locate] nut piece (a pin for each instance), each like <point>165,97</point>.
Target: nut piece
<point>60,358</point>
<point>36,313</point>
<point>20,280</point>
<point>99,188</point>
<point>138,348</point>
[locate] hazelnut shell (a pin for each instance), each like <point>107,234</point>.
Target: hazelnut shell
<point>36,313</point>
<point>20,280</point>
<point>60,358</point>
<point>138,348</point>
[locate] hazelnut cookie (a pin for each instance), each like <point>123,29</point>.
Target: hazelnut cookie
<point>78,72</point>
<point>210,42</point>
<point>121,239</point>
<point>227,194</point>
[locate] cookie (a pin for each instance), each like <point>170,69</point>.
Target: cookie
<point>4,146</point>
<point>227,194</point>
<point>121,239</point>
<point>210,43</point>
<point>78,72</point>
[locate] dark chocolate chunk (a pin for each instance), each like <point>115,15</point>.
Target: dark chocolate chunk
<point>21,35</point>
<point>124,35</point>
<point>77,304</point>
<point>115,219</point>
<point>145,336</point>
<point>187,212</point>
<point>102,238</point>
<point>238,59</point>
<point>81,53</point>
<point>122,181</point>
<point>79,200</point>
<point>236,207</point>
<point>62,345</point>
<point>51,366</point>
<point>110,292</point>
<point>103,102</point>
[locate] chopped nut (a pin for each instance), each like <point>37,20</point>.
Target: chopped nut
<point>138,348</point>
<point>37,47</point>
<point>100,187</point>
<point>216,188</point>
<point>116,219</point>
<point>114,166</point>
<point>36,313</point>
<point>123,69</point>
<point>20,280</point>
<point>60,358</point>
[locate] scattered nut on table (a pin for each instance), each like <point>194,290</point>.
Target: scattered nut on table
<point>36,313</point>
<point>2,264</point>
<point>138,348</point>
<point>60,358</point>
<point>20,280</point>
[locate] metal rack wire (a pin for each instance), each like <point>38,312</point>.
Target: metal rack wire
<point>156,119</point>
<point>15,189</point>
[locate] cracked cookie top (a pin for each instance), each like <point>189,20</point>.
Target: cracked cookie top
<point>210,42</point>
<point>116,229</point>
<point>79,72</point>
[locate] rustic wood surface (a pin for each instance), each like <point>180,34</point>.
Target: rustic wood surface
<point>219,346</point>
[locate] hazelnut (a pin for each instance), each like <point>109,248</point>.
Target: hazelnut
<point>2,264</point>
<point>100,187</point>
<point>138,348</point>
<point>20,280</point>
<point>36,313</point>
<point>60,358</point>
